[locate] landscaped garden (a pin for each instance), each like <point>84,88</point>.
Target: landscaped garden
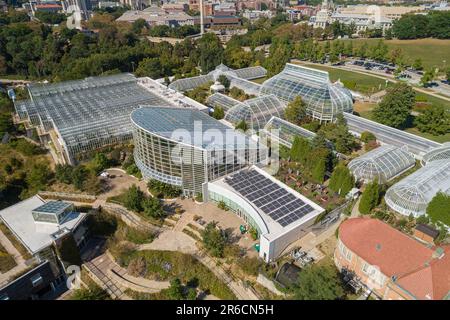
<point>6,260</point>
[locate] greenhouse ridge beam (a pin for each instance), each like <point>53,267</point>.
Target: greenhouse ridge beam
<point>385,134</point>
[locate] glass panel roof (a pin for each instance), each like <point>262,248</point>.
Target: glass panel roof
<point>412,194</point>
<point>382,163</point>
<point>439,153</point>
<point>221,100</point>
<point>287,131</point>
<point>88,112</point>
<point>324,100</point>
<point>256,112</point>
<point>175,123</point>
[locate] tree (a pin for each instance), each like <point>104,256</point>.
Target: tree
<point>242,125</point>
<point>395,108</point>
<point>38,177</point>
<point>367,136</point>
<point>79,176</point>
<point>175,291</point>
<point>439,208</point>
<point>295,111</point>
<point>218,113</point>
<point>100,162</point>
<point>224,81</point>
<point>418,64</point>
<point>69,252</point>
<point>300,150</point>
<point>411,26</point>
<point>133,199</point>
<point>370,197</point>
<point>213,239</point>
<point>318,283</point>
<point>211,52</point>
<point>435,120</point>
<point>341,180</point>
<point>318,172</point>
<point>427,77</point>
<point>63,173</point>
<point>152,208</point>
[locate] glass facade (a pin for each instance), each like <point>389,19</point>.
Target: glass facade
<point>381,164</point>
<point>323,99</point>
<point>160,156</point>
<point>286,131</point>
<point>412,194</point>
<point>236,208</point>
<point>256,112</point>
<point>86,114</point>
<point>439,153</point>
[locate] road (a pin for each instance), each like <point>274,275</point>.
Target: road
<point>385,134</point>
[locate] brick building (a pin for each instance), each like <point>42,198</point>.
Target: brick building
<point>394,265</point>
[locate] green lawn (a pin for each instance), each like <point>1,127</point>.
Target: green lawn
<point>431,51</point>
<point>353,80</point>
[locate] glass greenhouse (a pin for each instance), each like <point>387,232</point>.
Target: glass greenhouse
<point>86,114</point>
<point>381,164</point>
<point>439,153</point>
<point>248,87</point>
<point>256,112</point>
<point>221,100</point>
<point>166,147</point>
<point>324,100</point>
<point>286,131</point>
<point>413,194</point>
<point>234,75</point>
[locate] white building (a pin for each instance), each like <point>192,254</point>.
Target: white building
<point>362,17</point>
<point>156,16</point>
<point>279,214</point>
<point>38,224</point>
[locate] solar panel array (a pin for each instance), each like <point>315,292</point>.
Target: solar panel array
<point>274,200</point>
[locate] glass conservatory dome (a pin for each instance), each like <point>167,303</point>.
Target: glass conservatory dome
<point>324,100</point>
<point>381,164</point>
<point>413,194</point>
<point>439,153</point>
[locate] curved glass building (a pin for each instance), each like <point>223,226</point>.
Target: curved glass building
<point>413,194</point>
<point>439,153</point>
<point>324,100</point>
<point>186,147</point>
<point>381,164</point>
<point>256,112</point>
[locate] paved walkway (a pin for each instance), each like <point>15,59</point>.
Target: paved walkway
<point>21,265</point>
<point>178,241</point>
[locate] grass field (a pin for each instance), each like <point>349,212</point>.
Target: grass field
<point>432,51</point>
<point>354,81</point>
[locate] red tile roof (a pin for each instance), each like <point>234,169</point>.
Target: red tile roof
<point>415,266</point>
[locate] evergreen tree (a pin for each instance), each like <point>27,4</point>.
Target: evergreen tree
<point>369,198</point>
<point>318,173</point>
